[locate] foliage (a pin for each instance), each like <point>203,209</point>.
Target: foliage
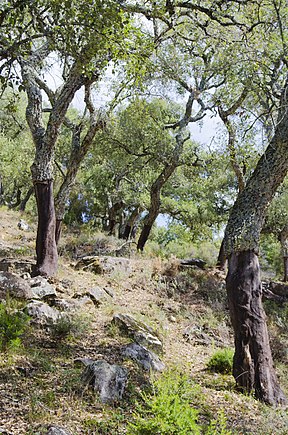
<point>16,149</point>
<point>13,323</point>
<point>270,259</point>
<point>221,361</point>
<point>69,325</point>
<point>168,409</point>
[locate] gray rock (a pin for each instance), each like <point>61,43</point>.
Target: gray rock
<point>201,335</point>
<point>72,305</point>
<point>104,264</point>
<point>97,295</point>
<point>110,291</point>
<point>14,286</point>
<point>85,361</point>
<point>42,313</point>
<point>139,331</point>
<point>22,225</point>
<point>15,265</point>
<point>57,430</point>
<point>108,380</point>
<point>144,357</point>
<point>41,287</point>
<point>279,288</point>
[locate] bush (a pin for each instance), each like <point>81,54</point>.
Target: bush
<point>221,361</point>
<point>68,325</point>
<point>12,325</point>
<point>168,409</point>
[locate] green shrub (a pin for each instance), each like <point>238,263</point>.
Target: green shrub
<point>221,361</point>
<point>13,323</point>
<point>69,325</point>
<point>168,410</point>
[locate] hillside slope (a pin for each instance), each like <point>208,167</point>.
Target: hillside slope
<point>41,379</point>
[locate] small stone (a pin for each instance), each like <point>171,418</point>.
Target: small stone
<point>172,319</point>
<point>22,225</point>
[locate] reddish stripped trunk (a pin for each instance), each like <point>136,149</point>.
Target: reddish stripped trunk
<point>253,366</point>
<point>283,237</point>
<point>131,222</point>
<point>24,201</point>
<point>46,249</point>
<point>221,260</point>
<point>144,236</point>
<point>58,230</point>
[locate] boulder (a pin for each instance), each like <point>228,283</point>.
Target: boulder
<point>140,332</point>
<point>144,357</point>
<point>41,288</point>
<point>108,380</point>
<point>42,313</point>
<point>14,286</point>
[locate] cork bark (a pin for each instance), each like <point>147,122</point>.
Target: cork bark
<point>45,138</point>
<point>253,365</point>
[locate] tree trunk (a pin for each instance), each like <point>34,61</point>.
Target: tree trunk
<point>285,266</point>
<point>253,366</point>
<point>45,136</point>
<point>58,230</point>
<point>131,222</point>
<point>221,260</point>
<point>284,249</point>
<point>18,199</point>
<point>144,236</point>
<point>155,200</point>
<point>26,198</point>
<point>113,213</point>
<point>1,191</point>
<point>170,166</point>
<point>152,214</point>
<point>46,248</point>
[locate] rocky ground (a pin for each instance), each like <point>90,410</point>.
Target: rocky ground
<point>96,307</point>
